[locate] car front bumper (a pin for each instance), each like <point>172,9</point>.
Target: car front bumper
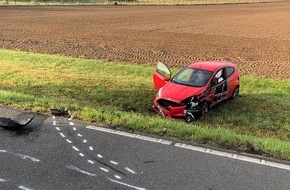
<point>171,112</point>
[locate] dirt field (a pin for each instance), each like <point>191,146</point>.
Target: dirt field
<point>255,36</point>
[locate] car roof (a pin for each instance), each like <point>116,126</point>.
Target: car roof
<point>210,65</point>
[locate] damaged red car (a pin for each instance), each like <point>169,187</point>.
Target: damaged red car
<point>195,89</point>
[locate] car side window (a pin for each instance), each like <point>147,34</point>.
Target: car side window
<point>219,77</point>
<point>230,71</point>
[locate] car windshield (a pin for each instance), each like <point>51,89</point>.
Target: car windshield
<point>192,77</point>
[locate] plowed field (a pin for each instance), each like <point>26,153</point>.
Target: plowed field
<point>255,36</point>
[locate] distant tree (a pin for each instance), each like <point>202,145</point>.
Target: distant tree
<point>5,1</point>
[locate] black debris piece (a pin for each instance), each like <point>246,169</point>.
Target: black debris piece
<point>58,112</point>
<point>10,124</point>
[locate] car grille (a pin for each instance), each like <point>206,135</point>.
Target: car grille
<point>166,103</point>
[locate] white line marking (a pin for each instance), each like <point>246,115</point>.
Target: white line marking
<point>29,157</point>
<point>21,156</point>
<point>113,162</point>
<point>79,135</point>
<point>81,171</point>
<point>74,128</point>
<point>127,185</point>
<point>53,117</point>
<point>3,180</point>
<point>24,188</point>
<point>68,141</point>
<point>75,148</point>
<point>151,139</point>
<point>71,123</point>
<point>57,128</point>
<point>85,140</point>
<point>91,148</point>
<point>81,154</point>
<point>100,156</point>
<point>234,156</point>
<point>194,148</point>
<point>91,162</point>
<point>62,135</point>
<point>130,170</point>
<point>54,122</point>
<point>104,169</point>
<point>118,177</point>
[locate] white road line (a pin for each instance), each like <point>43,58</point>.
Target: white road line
<point>126,134</point>
<point>127,185</point>
<point>234,156</point>
<point>79,135</point>
<point>24,188</point>
<point>71,123</point>
<point>68,141</point>
<point>74,128</point>
<point>85,141</point>
<point>194,148</point>
<point>21,156</point>
<point>3,180</point>
<point>75,148</point>
<point>81,154</point>
<point>113,162</point>
<point>130,170</point>
<point>104,169</point>
<point>62,135</point>
<point>91,162</point>
<point>100,156</point>
<point>29,157</point>
<point>81,171</point>
<point>57,128</point>
<point>117,177</point>
<point>91,148</point>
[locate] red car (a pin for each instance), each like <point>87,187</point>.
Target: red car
<point>193,90</point>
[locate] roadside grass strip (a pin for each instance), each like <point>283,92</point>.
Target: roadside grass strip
<point>121,94</point>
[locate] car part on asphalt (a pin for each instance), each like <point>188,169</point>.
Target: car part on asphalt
<point>59,112</point>
<point>8,123</point>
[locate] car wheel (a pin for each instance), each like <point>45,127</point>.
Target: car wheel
<point>205,109</point>
<point>235,93</point>
<point>189,118</point>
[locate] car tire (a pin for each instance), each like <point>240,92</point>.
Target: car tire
<point>205,108</point>
<point>235,93</point>
<point>189,118</point>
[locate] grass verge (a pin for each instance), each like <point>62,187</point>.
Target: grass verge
<point>121,94</point>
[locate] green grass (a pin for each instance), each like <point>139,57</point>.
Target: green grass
<point>121,94</point>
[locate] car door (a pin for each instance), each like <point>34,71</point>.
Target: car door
<point>161,75</point>
<point>219,85</point>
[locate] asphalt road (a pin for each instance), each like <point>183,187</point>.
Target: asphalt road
<point>58,153</point>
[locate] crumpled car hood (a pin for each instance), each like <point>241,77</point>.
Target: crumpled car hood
<point>177,93</point>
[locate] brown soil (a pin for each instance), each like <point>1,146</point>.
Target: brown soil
<point>255,36</point>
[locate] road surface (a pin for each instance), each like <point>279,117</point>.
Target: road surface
<point>59,153</point>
